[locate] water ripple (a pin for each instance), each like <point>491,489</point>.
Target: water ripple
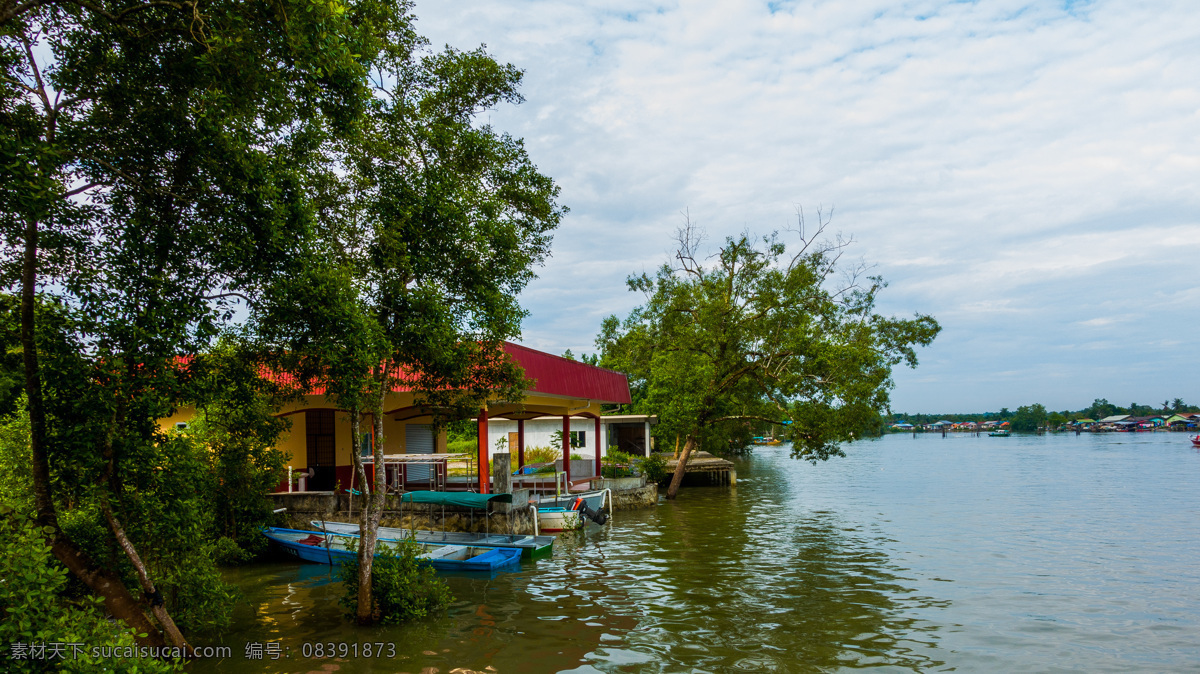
<point>929,554</point>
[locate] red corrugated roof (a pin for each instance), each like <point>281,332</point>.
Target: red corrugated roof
<point>555,375</point>
<point>551,375</point>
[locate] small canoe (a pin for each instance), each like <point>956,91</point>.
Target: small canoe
<point>322,548</point>
<point>531,547</point>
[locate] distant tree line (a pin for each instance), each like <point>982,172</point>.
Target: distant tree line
<point>1031,417</point>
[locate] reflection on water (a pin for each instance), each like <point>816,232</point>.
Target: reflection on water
<point>918,554</point>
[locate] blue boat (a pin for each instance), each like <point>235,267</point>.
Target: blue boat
<point>330,548</point>
<point>531,547</point>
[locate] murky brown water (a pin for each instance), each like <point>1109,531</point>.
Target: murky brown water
<point>1052,553</point>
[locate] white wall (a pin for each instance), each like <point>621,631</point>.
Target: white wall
<point>538,432</point>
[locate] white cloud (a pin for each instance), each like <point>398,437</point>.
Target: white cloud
<point>1019,170</point>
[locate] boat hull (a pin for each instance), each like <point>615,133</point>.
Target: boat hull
<point>562,513</point>
<point>559,519</point>
<point>321,548</point>
<point>531,547</point>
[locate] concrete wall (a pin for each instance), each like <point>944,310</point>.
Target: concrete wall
<point>307,506</point>
<point>633,499</point>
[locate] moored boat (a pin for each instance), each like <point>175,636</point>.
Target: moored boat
<point>573,511</point>
<point>530,546</point>
<point>1196,440</point>
<point>331,548</point>
<point>1001,433</point>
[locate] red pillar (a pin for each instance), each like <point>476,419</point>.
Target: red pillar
<point>485,486</point>
<point>520,443</point>
<point>598,446</point>
<point>567,450</point>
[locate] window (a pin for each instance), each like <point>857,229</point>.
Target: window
<point>181,425</point>
<point>578,439</point>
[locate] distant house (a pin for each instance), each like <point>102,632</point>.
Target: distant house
<point>1114,418</point>
<point>1183,420</point>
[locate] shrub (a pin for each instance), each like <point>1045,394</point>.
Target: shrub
<point>615,457</point>
<point>614,471</point>
<point>654,468</point>
<point>616,464</point>
<point>35,609</point>
<point>542,454</point>
<point>403,588</point>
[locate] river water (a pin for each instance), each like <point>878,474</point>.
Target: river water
<point>1034,553</point>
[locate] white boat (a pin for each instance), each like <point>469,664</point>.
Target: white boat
<point>573,511</point>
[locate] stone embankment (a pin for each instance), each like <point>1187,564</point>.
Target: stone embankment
<point>303,507</point>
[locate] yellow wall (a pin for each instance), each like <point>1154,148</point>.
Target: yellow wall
<point>294,443</point>
<point>182,415</point>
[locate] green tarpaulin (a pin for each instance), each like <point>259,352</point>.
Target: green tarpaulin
<point>455,498</point>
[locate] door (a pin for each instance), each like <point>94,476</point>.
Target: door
<point>322,458</point>
<point>418,439</point>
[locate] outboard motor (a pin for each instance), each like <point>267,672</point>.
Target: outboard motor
<point>597,516</point>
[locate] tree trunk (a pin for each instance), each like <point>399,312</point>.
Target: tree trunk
<point>107,585</point>
<point>372,512</point>
<point>366,548</point>
<point>681,467</point>
<point>104,583</point>
<point>152,593</point>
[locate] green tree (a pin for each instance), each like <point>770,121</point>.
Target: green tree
<point>429,225</point>
<point>151,173</point>
<point>758,334</point>
<point>1100,409</point>
<point>1029,417</point>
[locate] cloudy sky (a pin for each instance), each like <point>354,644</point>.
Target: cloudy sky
<point>1027,172</point>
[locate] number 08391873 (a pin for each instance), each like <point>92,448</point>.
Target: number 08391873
<point>335,649</point>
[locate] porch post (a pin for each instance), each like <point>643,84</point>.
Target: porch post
<point>520,443</point>
<point>566,448</point>
<point>484,478</point>
<point>646,428</point>
<point>599,446</point>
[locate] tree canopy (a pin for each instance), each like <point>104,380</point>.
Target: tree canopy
<point>429,226</point>
<point>756,332</point>
<point>164,162</point>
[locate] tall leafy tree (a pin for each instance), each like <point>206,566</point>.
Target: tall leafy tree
<point>429,227</point>
<point>151,171</point>
<point>1029,417</point>
<point>758,333</point>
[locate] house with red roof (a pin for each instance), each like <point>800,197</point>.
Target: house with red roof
<point>318,446</point>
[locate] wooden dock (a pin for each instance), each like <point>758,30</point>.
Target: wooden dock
<point>705,469</point>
